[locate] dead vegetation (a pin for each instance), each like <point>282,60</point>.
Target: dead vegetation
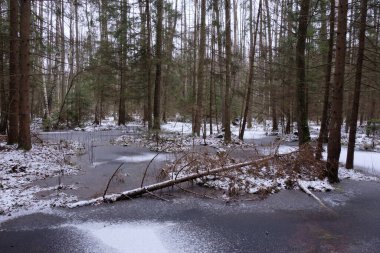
<point>261,175</point>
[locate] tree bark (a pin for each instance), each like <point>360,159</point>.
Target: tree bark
<point>324,119</point>
<point>24,141</point>
<point>251,65</point>
<point>123,62</point>
<point>3,95</point>
<point>272,88</point>
<point>303,128</point>
<point>157,88</point>
<point>227,109</point>
<point>200,76</point>
<point>148,64</point>
<point>334,140</point>
<point>13,111</point>
<point>358,80</point>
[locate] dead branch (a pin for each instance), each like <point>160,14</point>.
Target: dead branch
<point>171,182</point>
<point>308,192</point>
<point>109,181</point>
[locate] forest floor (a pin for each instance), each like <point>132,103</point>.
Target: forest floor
<point>77,165</point>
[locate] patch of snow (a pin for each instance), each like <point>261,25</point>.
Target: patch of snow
<point>146,236</point>
<point>128,237</point>
<point>19,169</point>
<point>140,158</point>
<point>317,185</point>
<point>363,160</point>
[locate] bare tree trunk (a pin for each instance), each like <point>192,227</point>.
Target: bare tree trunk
<point>303,128</point>
<point>13,111</point>
<point>200,76</point>
<point>272,89</point>
<point>220,58</point>
<point>358,80</point>
<point>123,62</point>
<point>227,108</point>
<point>148,63</point>
<point>251,65</point>
<point>334,145</point>
<point>3,95</point>
<point>24,131</point>
<point>324,120</point>
<point>157,89</point>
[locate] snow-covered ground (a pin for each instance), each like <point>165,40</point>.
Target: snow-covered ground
<point>256,132</point>
<point>19,169</point>
<point>367,161</point>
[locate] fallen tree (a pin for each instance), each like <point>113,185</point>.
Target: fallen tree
<point>168,183</point>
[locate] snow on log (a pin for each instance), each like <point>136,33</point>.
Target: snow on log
<point>154,187</point>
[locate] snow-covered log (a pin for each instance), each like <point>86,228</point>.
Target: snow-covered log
<point>154,187</point>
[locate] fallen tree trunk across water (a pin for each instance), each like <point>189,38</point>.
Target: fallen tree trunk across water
<point>171,182</point>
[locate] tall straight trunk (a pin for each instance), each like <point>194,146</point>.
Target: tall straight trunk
<point>3,96</point>
<point>251,65</point>
<point>172,24</point>
<point>200,76</point>
<point>303,128</point>
<point>157,88</point>
<point>148,63</point>
<point>24,141</point>
<point>62,51</point>
<point>13,111</point>
<point>358,80</point>
<point>334,140</point>
<point>272,89</point>
<point>194,73</point>
<point>324,119</point>
<point>227,108</point>
<point>122,63</point>
<point>220,52</point>
<point>78,111</point>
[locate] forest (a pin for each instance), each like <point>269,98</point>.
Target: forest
<point>205,62</point>
<point>232,100</point>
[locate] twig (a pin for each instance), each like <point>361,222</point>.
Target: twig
<point>196,193</point>
<point>146,169</point>
<point>109,181</point>
<point>155,195</point>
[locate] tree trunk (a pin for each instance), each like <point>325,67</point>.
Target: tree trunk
<point>13,111</point>
<point>303,128</point>
<point>220,58</point>
<point>123,63</point>
<point>148,64</point>
<point>200,76</point>
<point>334,140</point>
<point>251,65</point>
<point>272,88</point>
<point>358,80</point>
<point>3,95</point>
<point>324,120</point>
<point>157,88</point>
<point>227,109</point>
<point>24,141</point>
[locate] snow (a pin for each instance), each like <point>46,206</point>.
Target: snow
<point>365,160</point>
<point>19,170</point>
<point>128,237</point>
<point>256,132</point>
<point>146,237</point>
<point>316,185</point>
<point>140,158</point>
